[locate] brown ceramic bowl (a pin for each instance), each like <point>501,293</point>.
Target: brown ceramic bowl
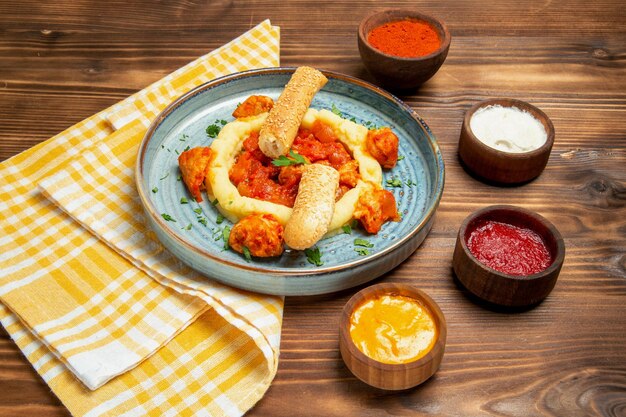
<point>496,166</point>
<point>394,72</point>
<point>498,287</point>
<point>391,376</point>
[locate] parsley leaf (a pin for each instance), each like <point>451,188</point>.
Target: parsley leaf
<point>165,176</point>
<point>167,217</point>
<point>220,218</point>
<point>188,227</point>
<point>363,242</point>
<point>314,256</point>
<point>155,189</point>
<point>394,182</point>
<point>246,254</point>
<point>362,251</point>
<point>347,229</point>
<point>283,161</point>
<point>410,183</point>
<point>225,236</point>
<point>213,130</point>
<point>400,157</point>
<point>183,200</point>
<point>336,111</point>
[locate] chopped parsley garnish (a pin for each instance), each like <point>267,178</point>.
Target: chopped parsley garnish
<point>347,229</point>
<point>165,176</point>
<point>314,256</point>
<point>168,218</point>
<point>201,219</point>
<point>183,138</point>
<point>225,236</point>
<point>336,111</point>
<point>246,254</point>
<point>183,200</point>
<point>188,227</point>
<point>362,251</point>
<point>220,218</point>
<point>410,183</point>
<point>400,157</point>
<point>283,161</point>
<point>363,242</point>
<point>212,131</point>
<point>214,202</point>
<point>371,125</point>
<point>180,177</point>
<point>394,182</point>
<point>155,190</point>
<point>186,148</point>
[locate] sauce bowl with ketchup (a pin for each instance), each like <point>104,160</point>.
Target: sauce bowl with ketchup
<point>392,336</point>
<point>508,256</point>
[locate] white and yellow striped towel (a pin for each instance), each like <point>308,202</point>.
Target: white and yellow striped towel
<point>109,319</point>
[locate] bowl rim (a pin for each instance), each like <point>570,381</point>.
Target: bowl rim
<point>399,289</point>
<point>559,255</point>
<point>510,102</point>
<point>394,14</point>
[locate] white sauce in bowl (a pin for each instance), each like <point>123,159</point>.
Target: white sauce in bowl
<point>508,129</point>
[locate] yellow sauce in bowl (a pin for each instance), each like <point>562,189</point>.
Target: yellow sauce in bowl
<point>393,329</point>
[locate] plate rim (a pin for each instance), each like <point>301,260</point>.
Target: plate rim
<point>155,218</point>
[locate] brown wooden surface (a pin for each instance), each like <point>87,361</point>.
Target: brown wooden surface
<point>62,61</point>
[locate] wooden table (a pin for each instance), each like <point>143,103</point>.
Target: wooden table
<point>62,62</point>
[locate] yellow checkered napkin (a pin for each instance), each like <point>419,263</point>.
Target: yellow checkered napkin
<point>109,304</point>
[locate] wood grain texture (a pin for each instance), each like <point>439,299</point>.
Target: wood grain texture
<point>62,61</point>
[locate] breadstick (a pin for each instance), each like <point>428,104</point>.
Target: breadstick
<point>314,206</point>
<point>282,123</point>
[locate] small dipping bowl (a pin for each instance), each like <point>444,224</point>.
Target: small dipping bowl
<point>395,72</point>
<point>497,166</point>
<point>396,376</point>
<point>497,287</point>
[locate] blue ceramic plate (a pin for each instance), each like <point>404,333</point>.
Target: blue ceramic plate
<point>194,235</point>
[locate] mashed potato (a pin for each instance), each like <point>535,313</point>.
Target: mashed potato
<point>229,144</point>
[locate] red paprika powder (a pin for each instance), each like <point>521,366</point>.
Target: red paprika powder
<point>405,38</point>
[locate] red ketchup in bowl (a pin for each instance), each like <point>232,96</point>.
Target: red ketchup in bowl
<point>509,249</point>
